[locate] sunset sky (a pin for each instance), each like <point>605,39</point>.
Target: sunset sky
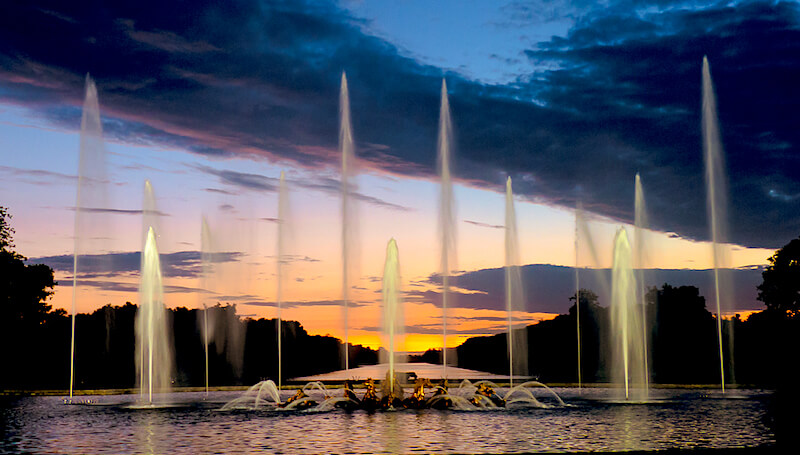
<point>210,101</point>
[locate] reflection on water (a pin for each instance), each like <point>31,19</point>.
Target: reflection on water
<point>682,419</point>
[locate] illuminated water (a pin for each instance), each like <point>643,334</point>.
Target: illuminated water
<point>628,364</point>
<point>154,357</point>
<point>392,308</point>
<point>686,419</point>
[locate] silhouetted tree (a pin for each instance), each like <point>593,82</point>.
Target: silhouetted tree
<point>433,356</point>
<point>6,231</point>
<point>780,290</point>
<point>594,339</point>
<point>24,311</point>
<point>685,348</point>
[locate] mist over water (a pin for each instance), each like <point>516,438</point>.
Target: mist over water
<point>447,215</point>
<point>515,300</point>
<point>717,206</point>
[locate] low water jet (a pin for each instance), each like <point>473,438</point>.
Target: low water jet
<point>393,316</point>
<point>628,348</point>
<point>154,353</point>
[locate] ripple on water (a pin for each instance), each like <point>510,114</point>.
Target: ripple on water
<point>681,420</point>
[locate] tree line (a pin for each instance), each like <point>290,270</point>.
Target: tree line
<point>35,338</point>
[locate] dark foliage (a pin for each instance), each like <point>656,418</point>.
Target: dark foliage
<point>105,342</point>
<point>780,290</point>
<point>28,326</point>
<point>684,347</point>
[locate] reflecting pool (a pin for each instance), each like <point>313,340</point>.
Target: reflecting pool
<point>592,421</point>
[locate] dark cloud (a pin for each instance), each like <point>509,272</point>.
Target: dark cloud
<point>185,264</point>
<point>37,176</point>
<point>118,286</point>
<point>547,288</point>
<point>302,303</point>
<point>259,182</point>
<point>436,329</point>
<point>220,191</point>
<point>486,225</point>
<point>620,93</point>
<point>120,211</point>
<point>243,180</point>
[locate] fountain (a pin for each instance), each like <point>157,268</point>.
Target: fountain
<point>153,352</point>
<point>447,216</point>
<point>349,219</point>
<point>205,258</point>
<point>640,224</point>
<point>91,194</point>
<point>716,188</point>
<point>392,310</point>
<point>517,340</point>
<point>585,249</point>
<point>280,258</point>
<point>628,348</point>
<point>578,291</point>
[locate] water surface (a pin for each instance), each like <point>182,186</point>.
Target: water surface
<point>681,419</point>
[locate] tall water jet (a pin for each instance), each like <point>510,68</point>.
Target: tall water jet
<point>517,339</point>
<point>393,317</point>
<point>91,194</point>
<point>205,279</point>
<point>218,324</point>
<point>586,259</point>
<point>447,215</point>
<point>283,200</point>
<point>349,218</point>
<point>578,209</point>
<point>640,224</point>
<point>628,359</point>
<point>716,205</point>
<point>154,356</point>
